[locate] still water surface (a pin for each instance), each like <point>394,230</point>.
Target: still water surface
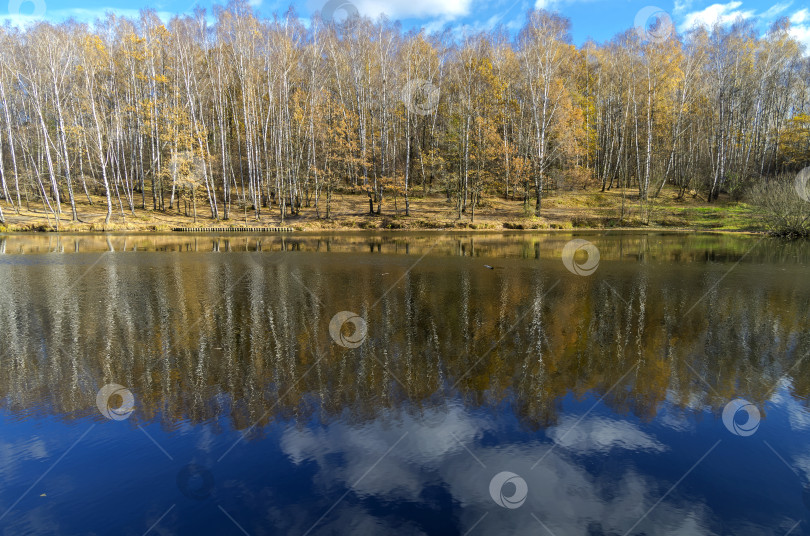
<point>485,388</point>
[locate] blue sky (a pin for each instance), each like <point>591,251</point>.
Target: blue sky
<point>598,19</point>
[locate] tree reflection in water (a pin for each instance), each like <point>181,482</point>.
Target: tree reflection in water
<point>197,336</point>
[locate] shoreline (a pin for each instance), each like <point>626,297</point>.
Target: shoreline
<point>348,231</point>
<point>565,212</point>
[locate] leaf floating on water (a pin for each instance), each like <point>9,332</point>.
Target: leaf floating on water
<point>43,495</point>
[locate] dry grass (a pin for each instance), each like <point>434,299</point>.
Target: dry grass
<point>564,210</point>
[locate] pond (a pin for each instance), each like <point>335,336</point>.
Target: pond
<point>427,383</point>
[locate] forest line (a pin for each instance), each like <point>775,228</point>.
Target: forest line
<point>249,115</point>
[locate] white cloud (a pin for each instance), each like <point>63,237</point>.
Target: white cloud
<point>460,30</point>
<point>566,496</point>
<point>676,421</point>
<point>716,14</point>
<point>552,5</point>
<point>800,28</point>
<point>89,15</point>
<point>402,9</point>
<point>728,13</point>
<point>11,454</point>
<point>78,14</point>
<point>775,10</point>
<point>802,35</point>
<point>798,415</point>
<point>800,16</point>
<point>595,435</point>
<point>435,26</point>
<point>18,21</point>
<point>682,5</point>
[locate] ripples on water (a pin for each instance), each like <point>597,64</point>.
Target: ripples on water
<point>485,388</point>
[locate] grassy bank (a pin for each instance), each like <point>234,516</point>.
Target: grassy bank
<point>563,210</point>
